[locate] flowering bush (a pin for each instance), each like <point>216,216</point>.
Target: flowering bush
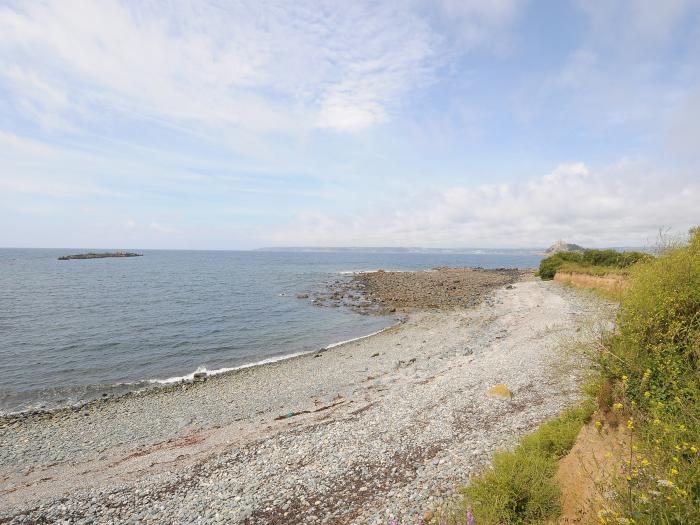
<point>652,364</point>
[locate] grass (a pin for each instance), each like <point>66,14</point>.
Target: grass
<point>612,295</point>
<point>598,271</point>
<point>519,487</point>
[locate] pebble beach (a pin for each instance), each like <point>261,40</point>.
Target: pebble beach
<point>384,427</point>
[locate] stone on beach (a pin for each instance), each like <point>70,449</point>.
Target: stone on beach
<point>499,391</point>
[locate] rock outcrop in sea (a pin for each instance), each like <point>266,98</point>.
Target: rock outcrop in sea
<point>103,255</point>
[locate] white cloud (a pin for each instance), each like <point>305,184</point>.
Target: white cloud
<point>255,66</point>
<point>623,204</point>
<point>259,67</point>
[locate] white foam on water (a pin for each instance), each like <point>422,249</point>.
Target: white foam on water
<point>267,361</point>
<point>209,373</point>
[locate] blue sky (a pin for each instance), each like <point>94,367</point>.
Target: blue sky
<point>234,124</point>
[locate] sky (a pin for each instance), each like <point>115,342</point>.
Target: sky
<point>240,124</point>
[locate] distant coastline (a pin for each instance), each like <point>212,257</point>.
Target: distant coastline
<point>402,249</point>
<point>420,250</point>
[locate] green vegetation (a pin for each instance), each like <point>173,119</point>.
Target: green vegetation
<point>651,368</point>
<point>520,486</point>
<point>595,262</point>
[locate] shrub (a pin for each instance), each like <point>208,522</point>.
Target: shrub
<point>607,259</point>
<point>519,487</point>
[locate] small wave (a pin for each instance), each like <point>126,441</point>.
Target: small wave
<point>217,371</point>
<point>267,361</point>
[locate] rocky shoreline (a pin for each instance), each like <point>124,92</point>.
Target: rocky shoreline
<point>382,292</point>
<point>387,426</point>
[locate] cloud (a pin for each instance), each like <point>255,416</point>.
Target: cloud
<point>258,67</point>
<point>625,203</point>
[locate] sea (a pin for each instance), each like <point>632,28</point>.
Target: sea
<point>73,331</point>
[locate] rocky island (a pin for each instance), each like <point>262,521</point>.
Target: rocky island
<point>99,255</point>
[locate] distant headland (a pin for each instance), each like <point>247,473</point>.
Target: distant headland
<point>99,255</point>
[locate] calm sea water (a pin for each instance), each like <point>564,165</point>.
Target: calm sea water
<point>71,331</point>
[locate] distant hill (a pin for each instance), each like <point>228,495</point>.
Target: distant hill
<point>562,246</point>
